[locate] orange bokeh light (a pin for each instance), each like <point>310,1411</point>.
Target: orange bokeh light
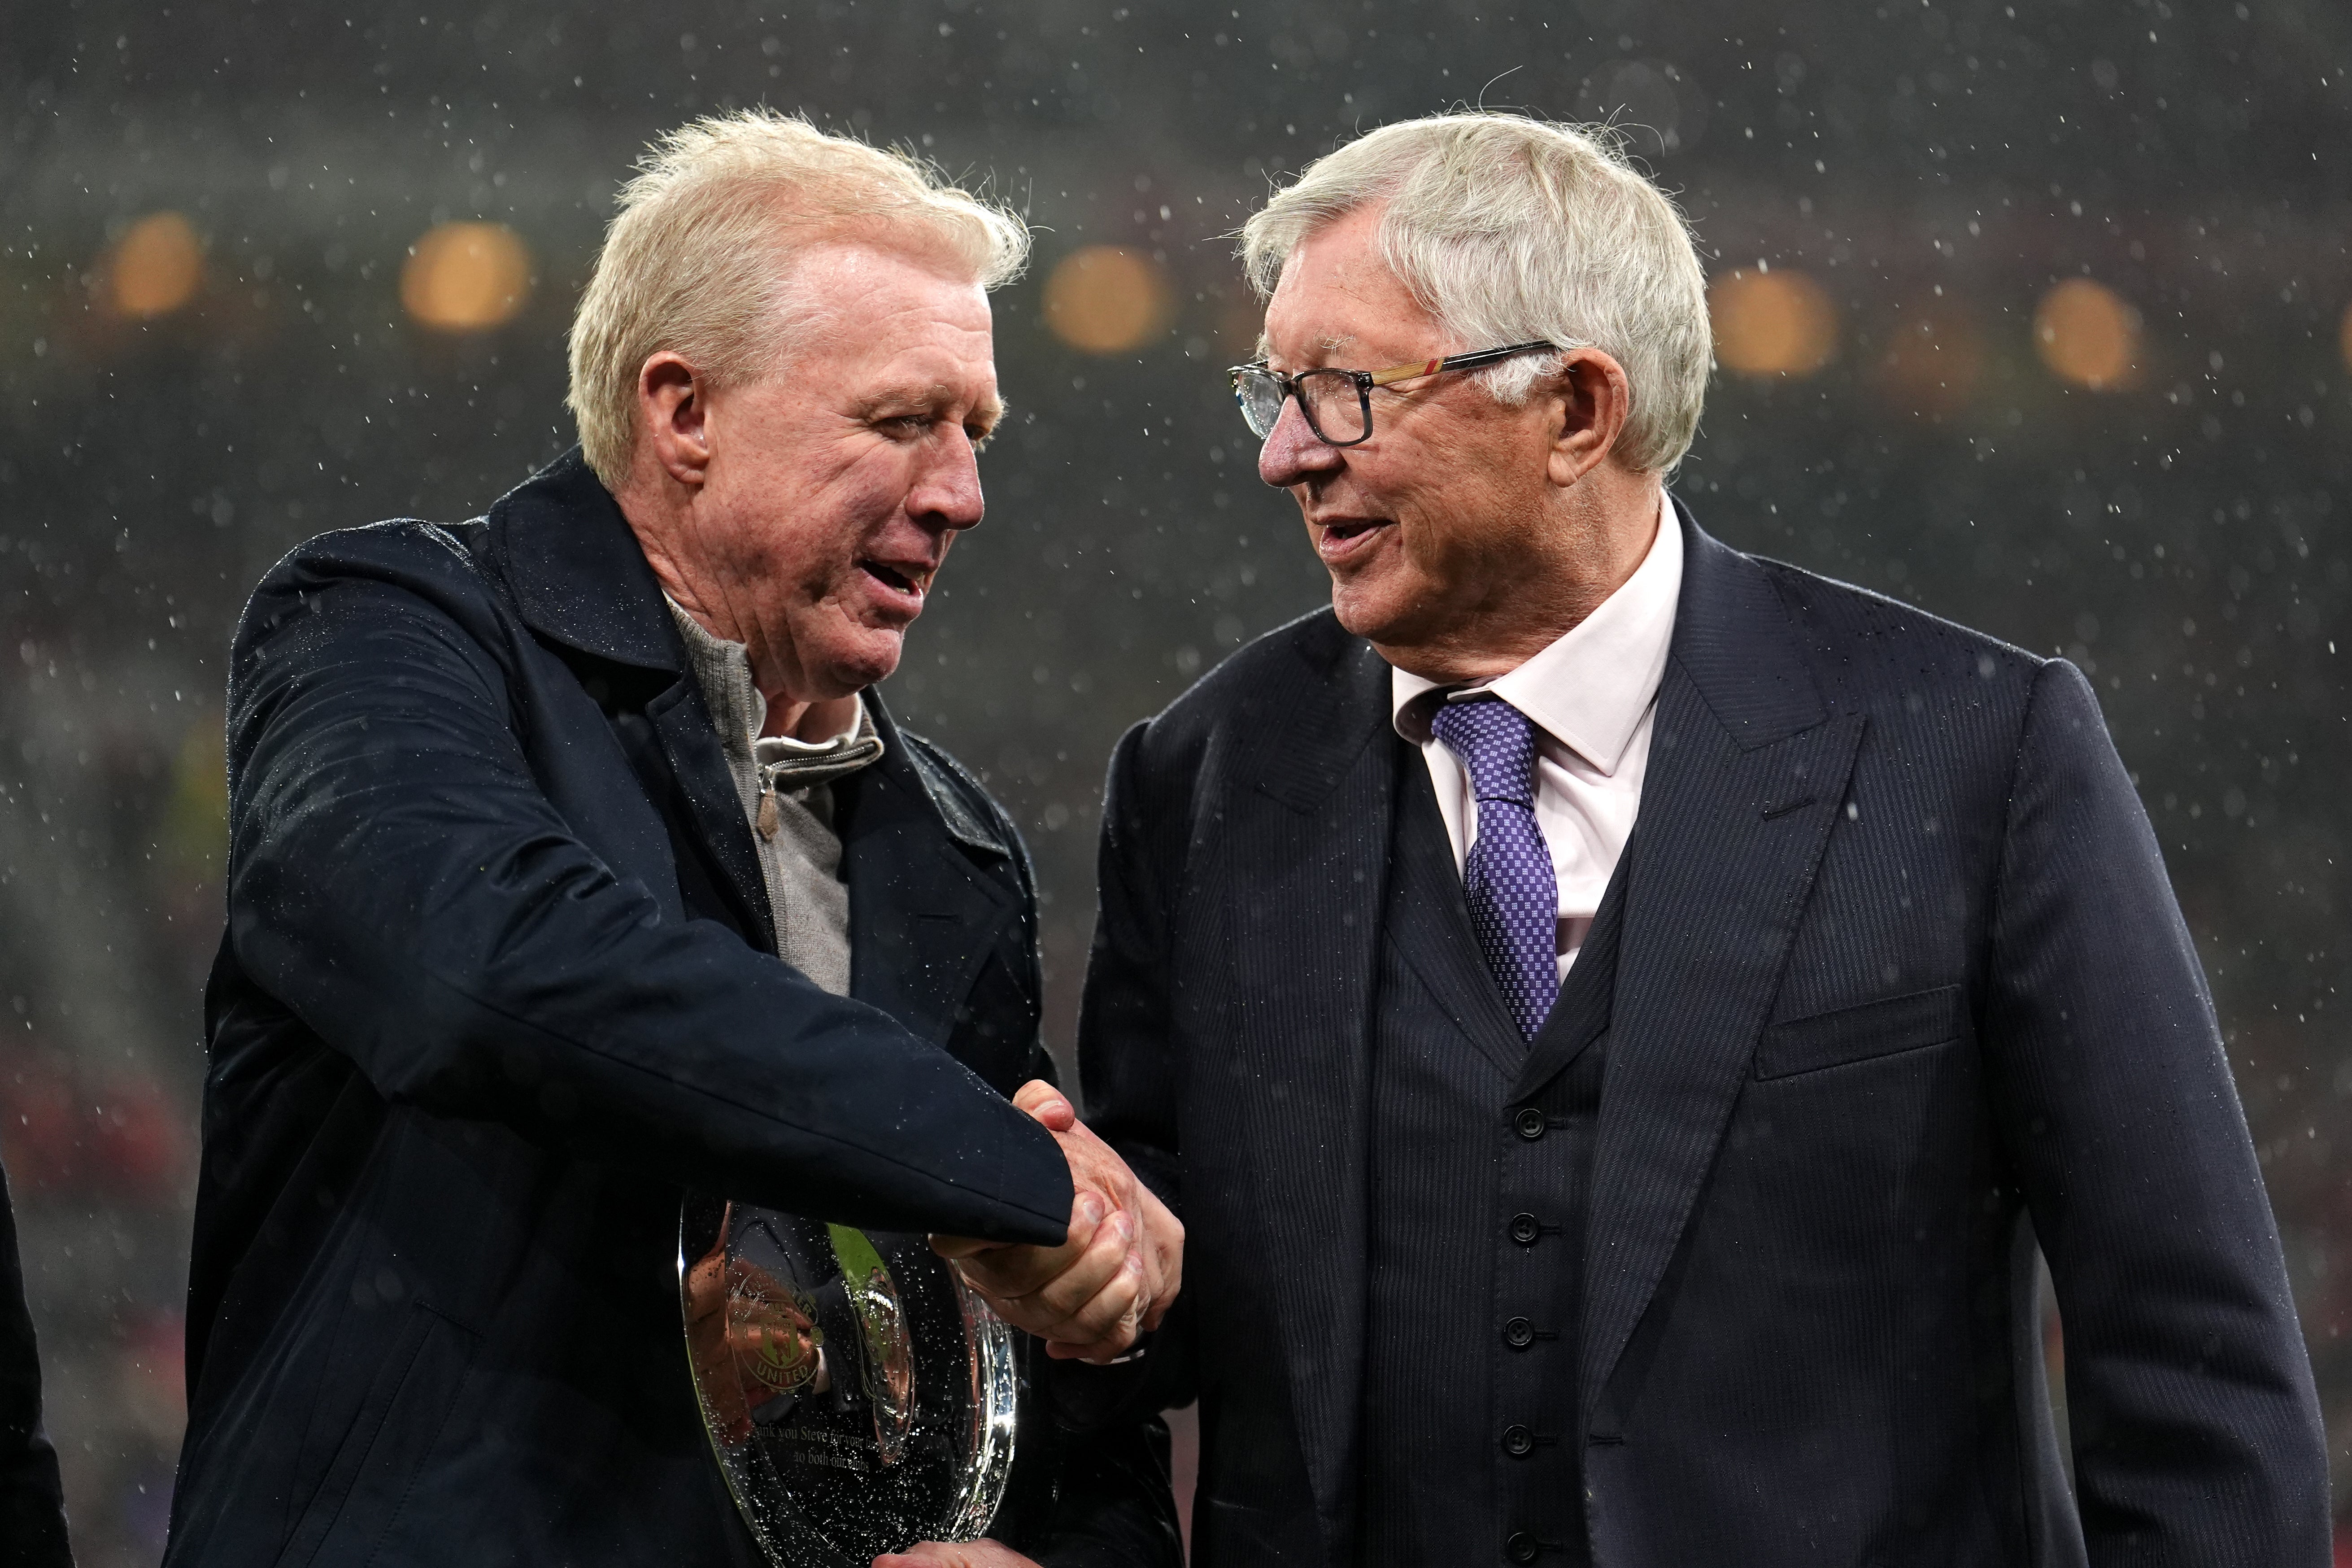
<point>1107,299</point>
<point>2088,335</point>
<point>466,276</point>
<point>156,267</point>
<point>1771,323</point>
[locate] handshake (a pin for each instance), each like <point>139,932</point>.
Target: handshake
<point>1111,1279</point>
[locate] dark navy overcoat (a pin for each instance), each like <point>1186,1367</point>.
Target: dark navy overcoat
<point>499,984</point>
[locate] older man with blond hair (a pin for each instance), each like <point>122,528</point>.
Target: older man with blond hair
<point>575,866</point>
<point>1616,1014</point>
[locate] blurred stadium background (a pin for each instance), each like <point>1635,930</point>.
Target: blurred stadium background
<point>2039,317</point>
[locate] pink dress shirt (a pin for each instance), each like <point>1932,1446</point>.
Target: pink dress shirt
<point>1592,696</point>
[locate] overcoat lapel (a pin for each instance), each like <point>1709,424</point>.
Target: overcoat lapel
<point>922,916</point>
<point>1307,837</point>
<point>1748,772</point>
<point>580,577</point>
<point>690,740</point>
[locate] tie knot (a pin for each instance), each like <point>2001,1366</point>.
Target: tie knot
<point>1495,742</point>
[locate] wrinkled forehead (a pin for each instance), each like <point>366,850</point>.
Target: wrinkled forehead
<point>857,310</point>
<point>1340,302</point>
<point>1325,347</point>
<point>856,281</point>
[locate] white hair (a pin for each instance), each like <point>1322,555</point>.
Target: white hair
<point>1511,229</point>
<point>696,261</point>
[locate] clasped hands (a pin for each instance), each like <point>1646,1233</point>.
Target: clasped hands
<point>1111,1280</point>
<point>1091,1299</point>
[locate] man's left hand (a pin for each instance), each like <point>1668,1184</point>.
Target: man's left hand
<point>954,1555</point>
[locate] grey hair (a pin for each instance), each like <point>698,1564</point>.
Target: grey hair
<point>697,260</point>
<point>1508,229</point>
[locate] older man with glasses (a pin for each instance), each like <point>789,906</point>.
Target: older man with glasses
<point>1616,1014</point>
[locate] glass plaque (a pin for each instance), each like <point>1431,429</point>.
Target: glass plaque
<point>859,1396</point>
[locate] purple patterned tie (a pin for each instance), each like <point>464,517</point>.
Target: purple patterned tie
<point>1507,874</point>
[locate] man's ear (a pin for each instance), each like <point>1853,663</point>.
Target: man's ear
<point>674,404</point>
<point>1591,398</point>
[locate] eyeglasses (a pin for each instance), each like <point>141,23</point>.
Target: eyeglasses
<point>1339,402</point>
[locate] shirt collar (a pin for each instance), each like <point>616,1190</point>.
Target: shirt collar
<point>723,667</point>
<point>1590,688</point>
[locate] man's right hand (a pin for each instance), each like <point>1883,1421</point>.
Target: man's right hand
<point>1113,1276</point>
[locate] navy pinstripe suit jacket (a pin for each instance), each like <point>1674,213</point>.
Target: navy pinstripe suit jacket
<point>1902,987</point>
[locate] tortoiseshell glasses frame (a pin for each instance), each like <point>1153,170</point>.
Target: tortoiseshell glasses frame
<point>1323,395</point>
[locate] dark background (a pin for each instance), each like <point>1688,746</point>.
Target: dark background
<point>1919,176</point>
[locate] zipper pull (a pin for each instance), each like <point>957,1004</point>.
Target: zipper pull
<point>768,819</point>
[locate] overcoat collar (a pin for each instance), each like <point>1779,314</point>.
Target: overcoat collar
<point>580,578</point>
<point>922,917</point>
<point>1747,770</point>
<point>576,570</point>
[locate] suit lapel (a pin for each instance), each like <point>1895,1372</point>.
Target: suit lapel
<point>922,915</point>
<point>580,578</point>
<point>1308,821</point>
<point>1582,1012</point>
<point>1747,771</point>
<point>1431,923</point>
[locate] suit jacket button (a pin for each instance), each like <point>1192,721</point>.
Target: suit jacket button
<point>1525,1229</point>
<point>1521,1547</point>
<point>1529,1122</point>
<point>1518,1442</point>
<point>1518,1334</point>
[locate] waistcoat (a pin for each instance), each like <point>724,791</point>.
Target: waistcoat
<point>1470,1442</point>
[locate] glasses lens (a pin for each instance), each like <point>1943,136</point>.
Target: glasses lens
<point>1334,407</point>
<point>1260,396</point>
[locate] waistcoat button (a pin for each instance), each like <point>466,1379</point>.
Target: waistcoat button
<point>1518,1334</point>
<point>1531,1122</point>
<point>1525,1229</point>
<point>1518,1442</point>
<point>1521,1547</point>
